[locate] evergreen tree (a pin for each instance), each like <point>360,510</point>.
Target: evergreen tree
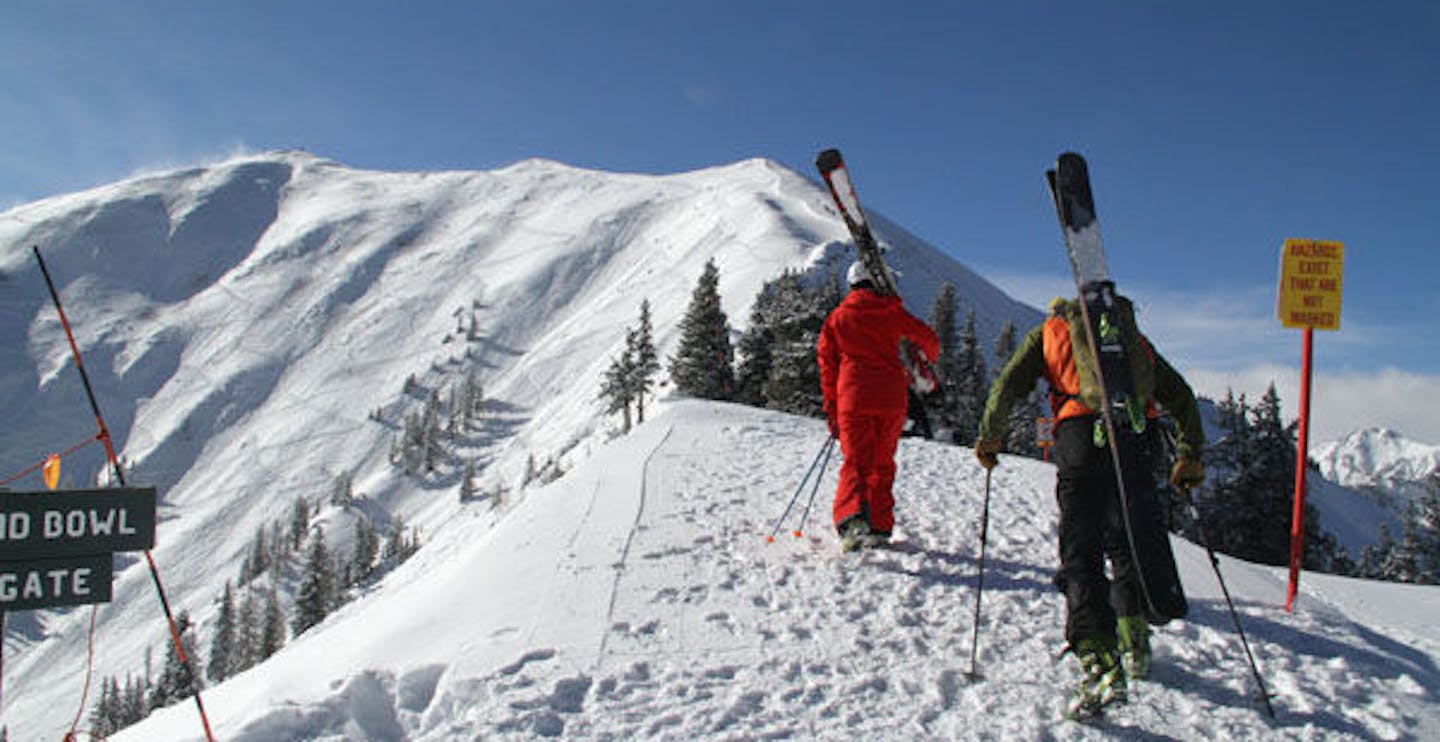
<point>646,361</point>
<point>943,319</point>
<point>316,595</point>
<point>272,632</point>
<point>367,547</point>
<point>342,494</point>
<point>472,399</point>
<point>755,355</point>
<point>972,384</point>
<point>703,364</point>
<point>794,313</point>
<point>106,714</point>
<point>177,682</point>
<point>432,445</point>
<point>247,634</point>
<point>299,523</point>
<point>258,559</point>
<point>467,489</point>
<point>1006,342</point>
<point>616,388</point>
<point>222,645</point>
<point>1429,528</point>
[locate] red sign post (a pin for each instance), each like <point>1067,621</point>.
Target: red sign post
<point>1310,288</point>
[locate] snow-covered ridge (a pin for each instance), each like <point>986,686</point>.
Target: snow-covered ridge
<point>243,323</point>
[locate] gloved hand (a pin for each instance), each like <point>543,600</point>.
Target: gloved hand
<point>987,451</point>
<point>1187,473</point>
<point>832,421</point>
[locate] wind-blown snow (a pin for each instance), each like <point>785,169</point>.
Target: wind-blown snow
<point>243,322</point>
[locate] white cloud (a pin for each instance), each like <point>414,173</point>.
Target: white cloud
<point>1339,402</point>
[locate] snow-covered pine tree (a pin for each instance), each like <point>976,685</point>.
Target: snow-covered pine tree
<point>755,355</point>
<point>646,360</point>
<point>616,390</point>
<point>258,560</point>
<point>316,595</point>
<point>1429,527</point>
<point>472,398</point>
<point>367,545</point>
<point>943,318</point>
<point>342,494</point>
<point>793,313</point>
<point>467,491</point>
<point>105,715</point>
<point>247,634</point>
<point>703,365</point>
<point>299,523</point>
<point>176,681</point>
<point>972,385</point>
<point>272,630</point>
<point>222,642</point>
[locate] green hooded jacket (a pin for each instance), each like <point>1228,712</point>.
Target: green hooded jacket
<point>1027,365</point>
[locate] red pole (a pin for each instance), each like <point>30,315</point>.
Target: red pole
<point>104,436</point>
<point>1302,455</point>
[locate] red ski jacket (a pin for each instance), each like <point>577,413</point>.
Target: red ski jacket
<point>859,353</point>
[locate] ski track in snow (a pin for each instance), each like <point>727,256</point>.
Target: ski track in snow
<point>705,630</point>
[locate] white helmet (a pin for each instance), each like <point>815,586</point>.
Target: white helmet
<point>857,274</point>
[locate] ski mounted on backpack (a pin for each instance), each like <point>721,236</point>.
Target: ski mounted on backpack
<point>922,373</point>
<point>1100,309</point>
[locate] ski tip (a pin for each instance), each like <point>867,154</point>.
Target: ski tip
<point>1072,164</point>
<point>798,534</point>
<point>829,159</point>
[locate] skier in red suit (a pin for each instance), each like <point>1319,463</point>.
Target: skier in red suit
<point>866,398</point>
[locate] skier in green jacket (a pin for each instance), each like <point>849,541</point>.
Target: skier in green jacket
<point>1091,521</point>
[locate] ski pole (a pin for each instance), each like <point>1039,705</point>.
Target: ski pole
<point>980,578</point>
<point>800,488</point>
<point>815,486</point>
<point>1234,616</point>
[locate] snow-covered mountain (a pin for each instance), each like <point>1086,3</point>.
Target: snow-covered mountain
<point>258,328</point>
<point>1380,460</point>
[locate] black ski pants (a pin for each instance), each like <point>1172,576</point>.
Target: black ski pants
<point>1092,527</point>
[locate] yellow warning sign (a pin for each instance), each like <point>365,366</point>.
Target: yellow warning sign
<point>1311,273</point>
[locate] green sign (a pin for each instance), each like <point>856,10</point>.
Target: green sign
<point>42,525</point>
<point>58,548</point>
<point>51,583</point>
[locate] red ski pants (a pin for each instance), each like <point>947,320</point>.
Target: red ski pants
<point>868,440</point>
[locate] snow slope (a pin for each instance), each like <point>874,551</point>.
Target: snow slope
<point>246,323</point>
<point>638,598</point>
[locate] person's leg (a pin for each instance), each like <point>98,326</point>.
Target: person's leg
<point>880,495</point>
<point>855,445</point>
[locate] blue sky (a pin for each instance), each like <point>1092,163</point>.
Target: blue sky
<point>1214,131</point>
